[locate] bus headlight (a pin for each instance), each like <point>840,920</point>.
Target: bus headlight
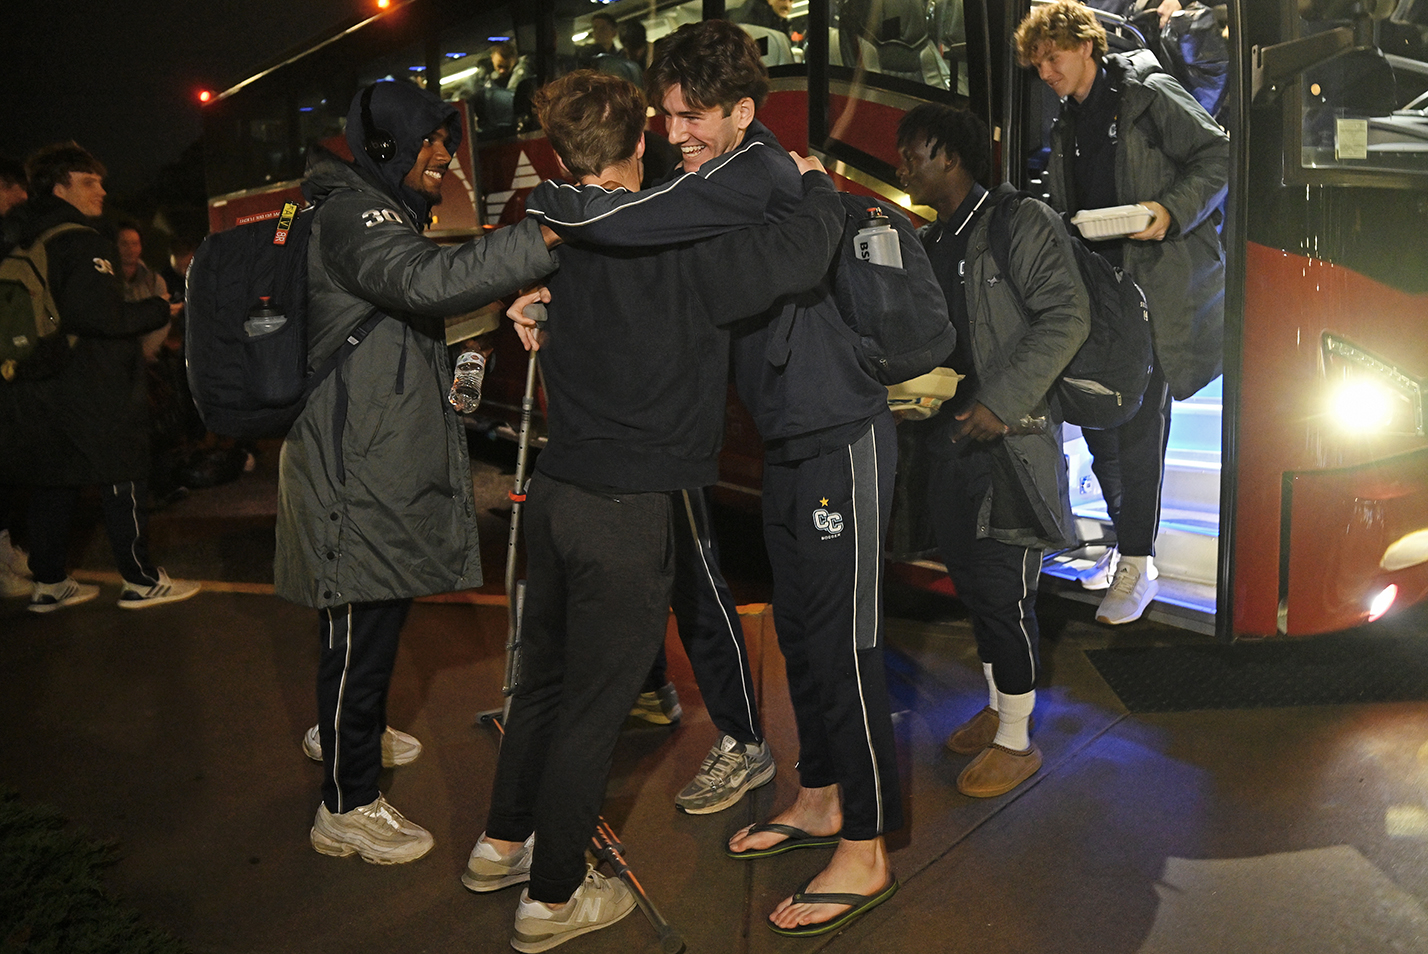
<point>1382,601</point>
<point>1370,394</point>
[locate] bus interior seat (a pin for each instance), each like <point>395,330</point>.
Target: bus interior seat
<point>774,45</point>
<point>891,37</point>
<point>617,65</point>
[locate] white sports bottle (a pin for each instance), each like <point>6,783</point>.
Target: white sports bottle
<point>876,240</point>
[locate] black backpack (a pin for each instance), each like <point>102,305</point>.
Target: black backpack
<point>254,385</point>
<point>898,314</point>
<point>1105,382</point>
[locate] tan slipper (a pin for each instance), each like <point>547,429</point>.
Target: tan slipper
<point>978,732</point>
<point>998,770</point>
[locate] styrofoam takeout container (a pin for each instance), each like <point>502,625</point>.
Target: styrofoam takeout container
<point>1113,222</point>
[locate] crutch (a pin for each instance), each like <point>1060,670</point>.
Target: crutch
<point>603,844</point>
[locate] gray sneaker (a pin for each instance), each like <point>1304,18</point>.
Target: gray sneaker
<point>377,832</point>
<point>398,748</point>
<point>730,769</point>
<point>489,870</point>
<point>1128,597</point>
<point>598,903</point>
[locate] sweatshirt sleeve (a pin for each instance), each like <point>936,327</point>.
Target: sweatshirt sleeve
<point>382,260</point>
<point>743,273</point>
<point>689,207</point>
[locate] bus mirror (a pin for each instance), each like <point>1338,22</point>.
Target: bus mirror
<point>1272,65</point>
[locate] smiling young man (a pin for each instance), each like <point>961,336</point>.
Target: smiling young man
<point>830,453</point>
<point>374,484</point>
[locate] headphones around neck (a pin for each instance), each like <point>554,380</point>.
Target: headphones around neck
<point>378,143</point>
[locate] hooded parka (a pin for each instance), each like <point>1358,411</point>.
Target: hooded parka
<point>387,511</point>
<point>1169,151</point>
<point>89,422</point>
<point>1018,353</point>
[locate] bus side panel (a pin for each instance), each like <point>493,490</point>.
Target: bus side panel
<point>785,112</point>
<point>1341,523</point>
<point>867,126</point>
<point>1290,301</point>
<point>509,171</point>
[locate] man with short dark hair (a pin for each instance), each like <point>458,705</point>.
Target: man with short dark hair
<point>374,487</point>
<point>996,490</point>
<point>1129,133</point>
<point>77,415</point>
<point>636,370</point>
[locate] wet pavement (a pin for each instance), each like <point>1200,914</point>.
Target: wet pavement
<point>177,731</point>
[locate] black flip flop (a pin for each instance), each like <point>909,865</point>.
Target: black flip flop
<point>861,905</point>
<point>793,838</point>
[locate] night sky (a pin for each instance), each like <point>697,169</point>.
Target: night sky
<point>122,78</point>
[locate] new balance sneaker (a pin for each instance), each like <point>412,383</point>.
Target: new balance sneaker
<point>598,903</point>
<point>398,748</point>
<point>660,707</point>
<point>1098,575</point>
<point>489,870</point>
<point>139,596</point>
<point>729,770</point>
<point>377,832</point>
<point>48,597</point>
<point>1128,596</point>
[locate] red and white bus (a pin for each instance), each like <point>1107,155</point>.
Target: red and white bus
<point>1296,493</point>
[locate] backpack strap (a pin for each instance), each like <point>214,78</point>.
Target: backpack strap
<point>999,240</point>
<point>37,258</point>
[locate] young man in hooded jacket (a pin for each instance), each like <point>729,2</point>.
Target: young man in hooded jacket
<point>375,499</point>
<point>1129,133</point>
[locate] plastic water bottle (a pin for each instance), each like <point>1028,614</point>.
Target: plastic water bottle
<point>466,388</point>
<point>876,240</point>
<point>263,319</point>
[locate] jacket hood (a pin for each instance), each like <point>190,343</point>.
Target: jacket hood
<point>328,172</point>
<point>408,114</point>
<point>1135,65</point>
<point>26,221</point>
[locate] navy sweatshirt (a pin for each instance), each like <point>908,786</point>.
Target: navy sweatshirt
<point>797,374</point>
<point>636,359</point>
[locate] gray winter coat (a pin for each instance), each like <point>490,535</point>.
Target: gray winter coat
<point>404,522</point>
<point>1018,355</point>
<point>1170,151</point>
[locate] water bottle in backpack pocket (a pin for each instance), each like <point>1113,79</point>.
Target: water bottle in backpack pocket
<point>273,356</point>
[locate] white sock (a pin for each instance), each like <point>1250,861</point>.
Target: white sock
<point>991,686</point>
<point>1013,712</point>
<point>1145,565</point>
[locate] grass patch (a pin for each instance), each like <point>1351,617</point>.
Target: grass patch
<point>52,895</point>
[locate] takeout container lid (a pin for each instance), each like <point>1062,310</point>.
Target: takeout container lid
<point>1113,222</point>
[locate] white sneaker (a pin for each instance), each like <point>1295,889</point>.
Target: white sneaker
<point>139,596</point>
<point>377,832</point>
<point>489,870</point>
<point>1099,575</point>
<point>398,748</point>
<point>598,903</point>
<point>48,597</point>
<point>1128,596</point>
<point>660,707</point>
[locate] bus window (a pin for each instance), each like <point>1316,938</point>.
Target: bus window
<point>1367,108</point>
<point>909,40</point>
<point>483,63</point>
<point>406,64</point>
<point>321,114</point>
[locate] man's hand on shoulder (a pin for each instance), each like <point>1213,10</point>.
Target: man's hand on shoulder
<point>807,163</point>
<point>552,239</point>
